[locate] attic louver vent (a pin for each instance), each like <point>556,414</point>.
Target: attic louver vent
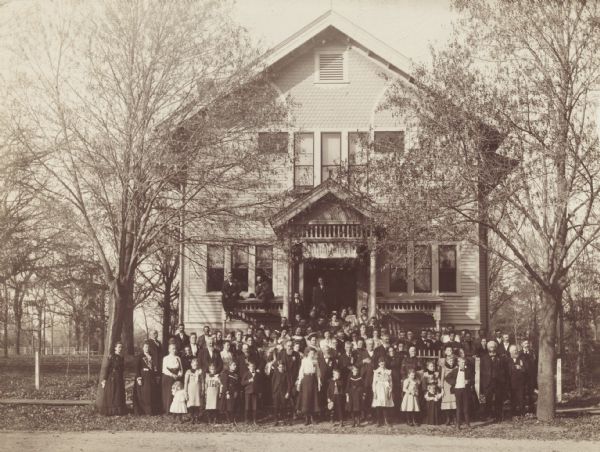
<point>331,67</point>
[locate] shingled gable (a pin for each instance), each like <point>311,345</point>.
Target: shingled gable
<point>394,60</point>
<point>329,187</point>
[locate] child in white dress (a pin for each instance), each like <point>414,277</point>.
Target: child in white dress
<point>382,392</point>
<point>410,401</point>
<point>178,405</point>
<point>194,388</point>
<point>212,393</point>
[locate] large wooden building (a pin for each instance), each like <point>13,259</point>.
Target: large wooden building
<point>337,75</point>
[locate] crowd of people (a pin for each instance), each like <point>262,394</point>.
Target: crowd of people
<point>337,368</point>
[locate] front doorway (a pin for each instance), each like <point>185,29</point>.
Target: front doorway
<point>341,277</point>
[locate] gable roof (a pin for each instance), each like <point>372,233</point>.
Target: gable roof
<point>319,192</point>
<point>395,60</point>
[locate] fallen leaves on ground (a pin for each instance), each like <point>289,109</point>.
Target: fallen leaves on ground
<point>44,418</point>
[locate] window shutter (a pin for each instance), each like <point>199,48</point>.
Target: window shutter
<point>331,67</point>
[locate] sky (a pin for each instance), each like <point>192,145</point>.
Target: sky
<point>409,26</point>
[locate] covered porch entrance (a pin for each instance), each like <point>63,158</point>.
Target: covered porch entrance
<point>341,278</point>
<point>330,235</point>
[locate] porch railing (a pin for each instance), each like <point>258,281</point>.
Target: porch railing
<point>331,231</point>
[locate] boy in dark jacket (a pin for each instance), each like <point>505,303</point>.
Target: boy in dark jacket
<point>336,397</point>
<point>251,382</point>
<point>231,391</point>
<point>281,390</point>
<point>461,380</point>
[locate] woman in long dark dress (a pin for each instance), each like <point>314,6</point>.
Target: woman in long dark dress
<point>113,383</point>
<point>144,388</point>
<point>309,385</point>
<point>394,363</point>
<point>172,370</point>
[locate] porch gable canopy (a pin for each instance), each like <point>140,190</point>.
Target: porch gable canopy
<point>329,205</point>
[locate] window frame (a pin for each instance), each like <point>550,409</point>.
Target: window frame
<point>456,245</point>
<point>363,166</point>
<point>339,165</point>
<point>244,282</point>
<point>376,150</point>
<point>259,269</point>
<point>297,136</point>
<point>406,271</point>
<point>416,268</point>
<point>210,279</point>
<point>283,150</point>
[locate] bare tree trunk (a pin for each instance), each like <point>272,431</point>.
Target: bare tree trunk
<point>547,357</point>
<point>18,313</point>
<point>5,320</point>
<point>579,364</point>
<point>128,336</point>
<point>166,330</point>
<point>119,294</point>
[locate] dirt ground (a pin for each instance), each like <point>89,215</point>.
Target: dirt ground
<point>264,442</point>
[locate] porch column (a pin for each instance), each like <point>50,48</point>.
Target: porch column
<point>286,271</point>
<point>437,316</point>
<point>373,282</point>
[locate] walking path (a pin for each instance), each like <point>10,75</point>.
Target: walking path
<point>260,442</point>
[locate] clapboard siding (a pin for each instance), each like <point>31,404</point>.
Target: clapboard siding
<point>461,309</point>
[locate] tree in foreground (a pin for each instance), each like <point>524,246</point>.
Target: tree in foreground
<point>520,75</point>
<point>125,103</point>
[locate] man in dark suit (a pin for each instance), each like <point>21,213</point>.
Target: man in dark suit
<point>504,346</point>
<point>210,355</point>
<point>194,348</point>
<point>230,294</point>
<point>181,339</point>
<point>156,350</point>
<point>516,378</point>
<point>493,381</point>
<point>530,363</point>
<point>321,296</point>
<point>461,380</point>
<point>346,359</point>
<point>205,335</point>
<point>381,351</point>
<point>326,364</point>
<point>264,291</point>
<point>291,362</point>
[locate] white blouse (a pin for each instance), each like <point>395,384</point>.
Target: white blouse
<point>172,362</point>
<point>308,367</point>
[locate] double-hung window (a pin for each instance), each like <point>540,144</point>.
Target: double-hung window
<point>304,144</point>
<point>331,155</point>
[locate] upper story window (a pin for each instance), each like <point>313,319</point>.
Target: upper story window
<point>389,141</point>
<point>422,264</point>
<point>358,159</point>
<point>447,268</point>
<point>273,142</point>
<point>399,269</point>
<point>331,155</point>
<point>304,149</point>
<point>239,265</point>
<point>264,261</point>
<point>331,67</point>
<point>215,268</point>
